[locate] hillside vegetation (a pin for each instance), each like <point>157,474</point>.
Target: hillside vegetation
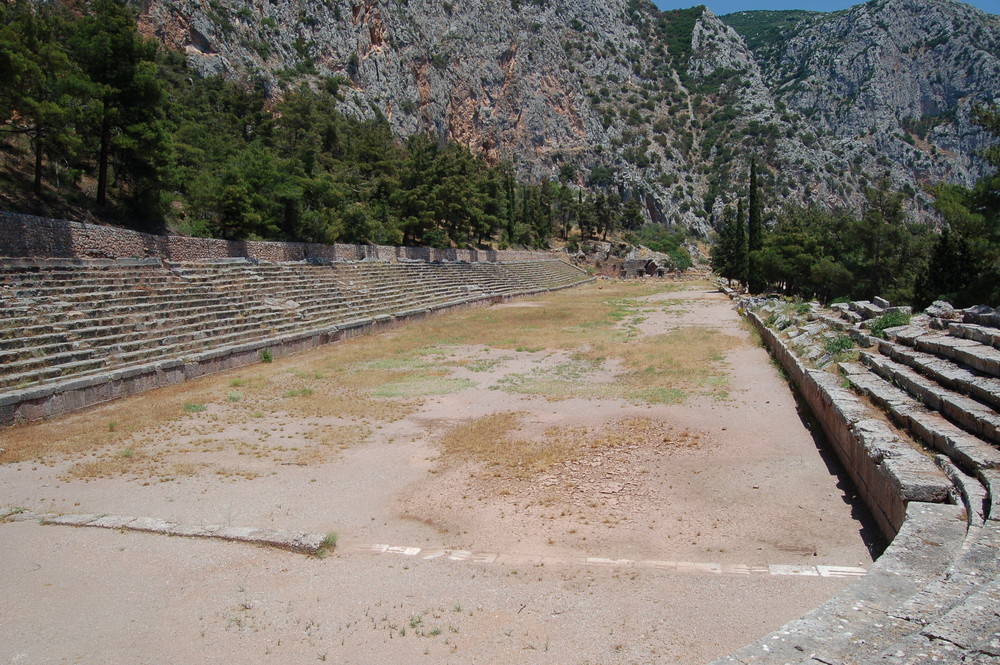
<point>537,115</point>
<point>813,252</point>
<point>94,106</point>
<point>765,30</point>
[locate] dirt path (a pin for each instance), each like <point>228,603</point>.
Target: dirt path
<point>675,537</point>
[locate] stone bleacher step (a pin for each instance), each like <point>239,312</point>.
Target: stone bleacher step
<point>982,334</point>
<point>948,373</point>
<point>931,428</point>
<point>969,352</point>
<point>966,412</point>
<point>15,354</point>
<point>976,563</point>
<point>71,369</point>
<point>974,625</point>
<point>39,336</point>
<point>52,360</point>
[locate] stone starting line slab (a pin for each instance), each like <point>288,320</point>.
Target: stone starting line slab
<point>469,556</point>
<point>312,543</point>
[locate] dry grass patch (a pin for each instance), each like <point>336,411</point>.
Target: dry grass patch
<point>123,462</point>
<point>663,369</point>
<point>686,359</point>
<point>110,425</point>
<point>491,441</point>
<point>399,368</point>
<point>488,441</point>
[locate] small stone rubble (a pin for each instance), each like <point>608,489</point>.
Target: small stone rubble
<point>910,405</point>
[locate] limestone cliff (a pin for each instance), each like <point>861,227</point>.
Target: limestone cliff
<point>664,106</point>
<point>897,76</point>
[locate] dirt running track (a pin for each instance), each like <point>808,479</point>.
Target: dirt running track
<point>720,523</point>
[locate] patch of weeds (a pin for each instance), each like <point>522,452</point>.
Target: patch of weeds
<point>236,383</point>
<point>423,387</point>
<point>326,546</point>
<point>483,365</point>
<point>567,379</point>
<point>659,395</point>
<point>751,329</point>
<point>301,374</point>
<point>126,453</point>
<point>298,392</point>
<point>193,407</point>
<point>266,356</point>
<point>528,349</point>
<point>397,363</point>
<point>235,396</point>
<point>10,512</point>
<point>112,425</point>
<point>839,344</point>
<point>888,320</point>
<point>620,308</point>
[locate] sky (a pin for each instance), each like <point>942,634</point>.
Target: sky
<point>720,7</point>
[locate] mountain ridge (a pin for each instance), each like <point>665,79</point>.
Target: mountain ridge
<point>664,106</point>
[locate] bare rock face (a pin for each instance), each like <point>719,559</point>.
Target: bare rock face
<point>667,107</point>
<point>897,77</point>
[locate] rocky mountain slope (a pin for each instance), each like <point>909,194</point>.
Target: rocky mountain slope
<point>900,76</point>
<point>615,94</point>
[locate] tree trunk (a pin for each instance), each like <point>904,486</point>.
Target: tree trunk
<point>102,164</point>
<point>37,188</point>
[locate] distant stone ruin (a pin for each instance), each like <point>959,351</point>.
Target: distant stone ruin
<point>910,405</point>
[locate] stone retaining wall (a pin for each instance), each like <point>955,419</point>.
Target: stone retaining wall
<point>30,236</point>
<point>888,473</point>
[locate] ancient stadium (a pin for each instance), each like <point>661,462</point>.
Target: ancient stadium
<point>262,452</point>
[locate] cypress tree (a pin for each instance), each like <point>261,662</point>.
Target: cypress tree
<point>755,233</point>
<point>741,264</point>
<point>724,251</point>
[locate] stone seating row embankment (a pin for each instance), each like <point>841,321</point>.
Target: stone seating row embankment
<point>77,332</point>
<point>911,413</point>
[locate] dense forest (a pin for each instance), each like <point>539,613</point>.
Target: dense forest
<point>98,115</point>
<point>835,255</point>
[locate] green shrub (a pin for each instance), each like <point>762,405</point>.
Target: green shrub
<point>839,344</point>
<point>888,320</point>
<point>266,356</point>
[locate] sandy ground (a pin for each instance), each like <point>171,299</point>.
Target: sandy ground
<point>663,550</point>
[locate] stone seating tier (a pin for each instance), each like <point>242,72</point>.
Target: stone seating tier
<point>72,321</point>
<point>934,594</point>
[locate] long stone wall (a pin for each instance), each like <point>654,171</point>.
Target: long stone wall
<point>30,236</point>
<point>931,597</point>
<point>888,473</point>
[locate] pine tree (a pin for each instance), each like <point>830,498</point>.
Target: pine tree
<point>121,63</point>
<point>42,91</point>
